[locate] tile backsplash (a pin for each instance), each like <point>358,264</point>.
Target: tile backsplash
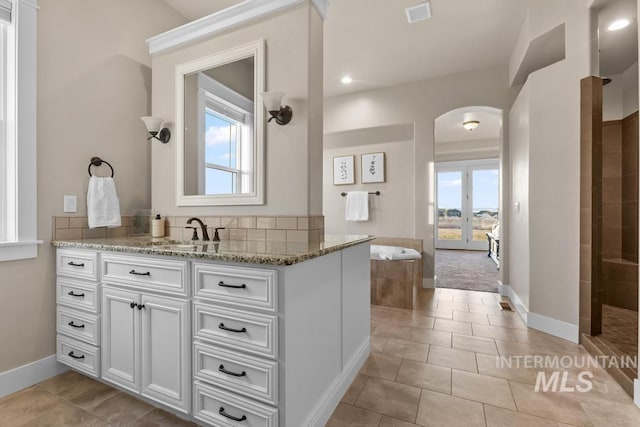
<point>259,228</point>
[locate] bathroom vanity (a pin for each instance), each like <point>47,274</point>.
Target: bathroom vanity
<point>233,333</point>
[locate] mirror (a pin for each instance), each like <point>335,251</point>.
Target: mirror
<point>220,128</point>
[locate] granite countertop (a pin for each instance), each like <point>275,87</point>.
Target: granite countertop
<point>255,252</point>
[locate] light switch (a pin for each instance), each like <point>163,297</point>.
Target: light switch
<point>516,207</point>
<point>70,204</point>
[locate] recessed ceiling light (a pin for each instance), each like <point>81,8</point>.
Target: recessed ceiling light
<point>470,124</point>
<point>346,80</point>
<point>418,12</point>
<point>618,24</point>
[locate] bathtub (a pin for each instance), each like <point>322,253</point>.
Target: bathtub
<point>395,282</point>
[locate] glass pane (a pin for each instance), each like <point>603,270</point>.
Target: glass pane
<point>220,182</point>
<point>220,141</point>
<point>485,202</point>
<point>450,205</point>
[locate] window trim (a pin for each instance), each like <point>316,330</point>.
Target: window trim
<point>20,135</point>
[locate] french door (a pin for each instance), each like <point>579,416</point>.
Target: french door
<point>468,197</point>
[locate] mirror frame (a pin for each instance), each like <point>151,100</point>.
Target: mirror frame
<point>255,49</point>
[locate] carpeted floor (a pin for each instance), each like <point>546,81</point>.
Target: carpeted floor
<point>469,270</point>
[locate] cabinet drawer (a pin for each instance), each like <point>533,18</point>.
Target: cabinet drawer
<point>79,355</point>
<point>220,408</point>
<point>251,332</point>
<point>242,287</point>
<point>237,372</point>
<point>78,295</point>
<point>145,273</point>
<point>74,263</point>
<point>79,325</point>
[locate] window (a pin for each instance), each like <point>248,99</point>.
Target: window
<point>226,124</point>
<point>18,236</point>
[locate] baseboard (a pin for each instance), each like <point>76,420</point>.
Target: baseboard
<point>537,321</point>
<point>323,411</point>
<point>636,392</point>
<point>507,291</point>
<point>428,283</point>
<point>29,374</point>
<point>554,327</point>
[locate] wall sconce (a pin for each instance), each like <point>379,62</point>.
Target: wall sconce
<point>155,129</point>
<point>273,103</point>
<point>470,124</point>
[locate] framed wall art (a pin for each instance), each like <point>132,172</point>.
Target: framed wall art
<point>343,170</point>
<point>372,168</point>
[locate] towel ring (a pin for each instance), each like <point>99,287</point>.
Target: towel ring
<point>97,161</point>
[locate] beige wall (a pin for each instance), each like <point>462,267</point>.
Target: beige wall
<point>620,97</point>
<point>236,75</point>
<point>518,249</point>
<point>554,164</point>
<point>385,219</point>
<point>293,42</point>
<point>93,85</point>
<point>419,103</point>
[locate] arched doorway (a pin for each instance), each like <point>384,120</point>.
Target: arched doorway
<point>468,238</point>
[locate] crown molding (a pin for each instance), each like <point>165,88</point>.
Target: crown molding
<point>242,13</point>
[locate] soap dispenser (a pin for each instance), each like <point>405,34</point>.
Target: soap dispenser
<point>157,227</point>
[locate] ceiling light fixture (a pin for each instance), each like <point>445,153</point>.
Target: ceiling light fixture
<point>618,24</point>
<point>470,124</point>
<point>419,12</point>
<point>346,80</point>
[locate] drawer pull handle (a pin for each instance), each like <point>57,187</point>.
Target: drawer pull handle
<point>224,285</point>
<point>135,273</point>
<point>73,294</point>
<point>73,325</point>
<point>224,328</point>
<point>231,417</point>
<point>73,264</point>
<point>235,374</point>
<point>74,356</point>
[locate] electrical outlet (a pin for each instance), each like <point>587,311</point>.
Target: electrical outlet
<point>70,204</point>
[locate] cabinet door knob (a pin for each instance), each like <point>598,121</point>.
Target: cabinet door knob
<point>74,356</point>
<point>141,306</point>
<point>235,374</point>
<point>224,328</point>
<point>231,417</point>
<point>224,285</point>
<point>73,325</point>
<point>133,304</point>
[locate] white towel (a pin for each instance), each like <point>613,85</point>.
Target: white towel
<point>103,207</point>
<point>357,206</point>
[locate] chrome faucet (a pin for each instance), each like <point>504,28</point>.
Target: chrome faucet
<point>205,234</point>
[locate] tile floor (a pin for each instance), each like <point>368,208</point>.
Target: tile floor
<point>433,366</point>
<point>72,399</point>
<point>620,328</point>
<point>436,366</point>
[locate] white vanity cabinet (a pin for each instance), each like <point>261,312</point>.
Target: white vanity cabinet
<point>78,310</point>
<point>222,342</point>
<point>145,334</point>
<point>235,332</point>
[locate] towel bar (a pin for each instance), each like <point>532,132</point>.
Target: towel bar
<point>377,193</point>
<point>97,161</point>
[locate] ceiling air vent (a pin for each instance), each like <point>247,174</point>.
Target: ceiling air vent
<point>418,12</point>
